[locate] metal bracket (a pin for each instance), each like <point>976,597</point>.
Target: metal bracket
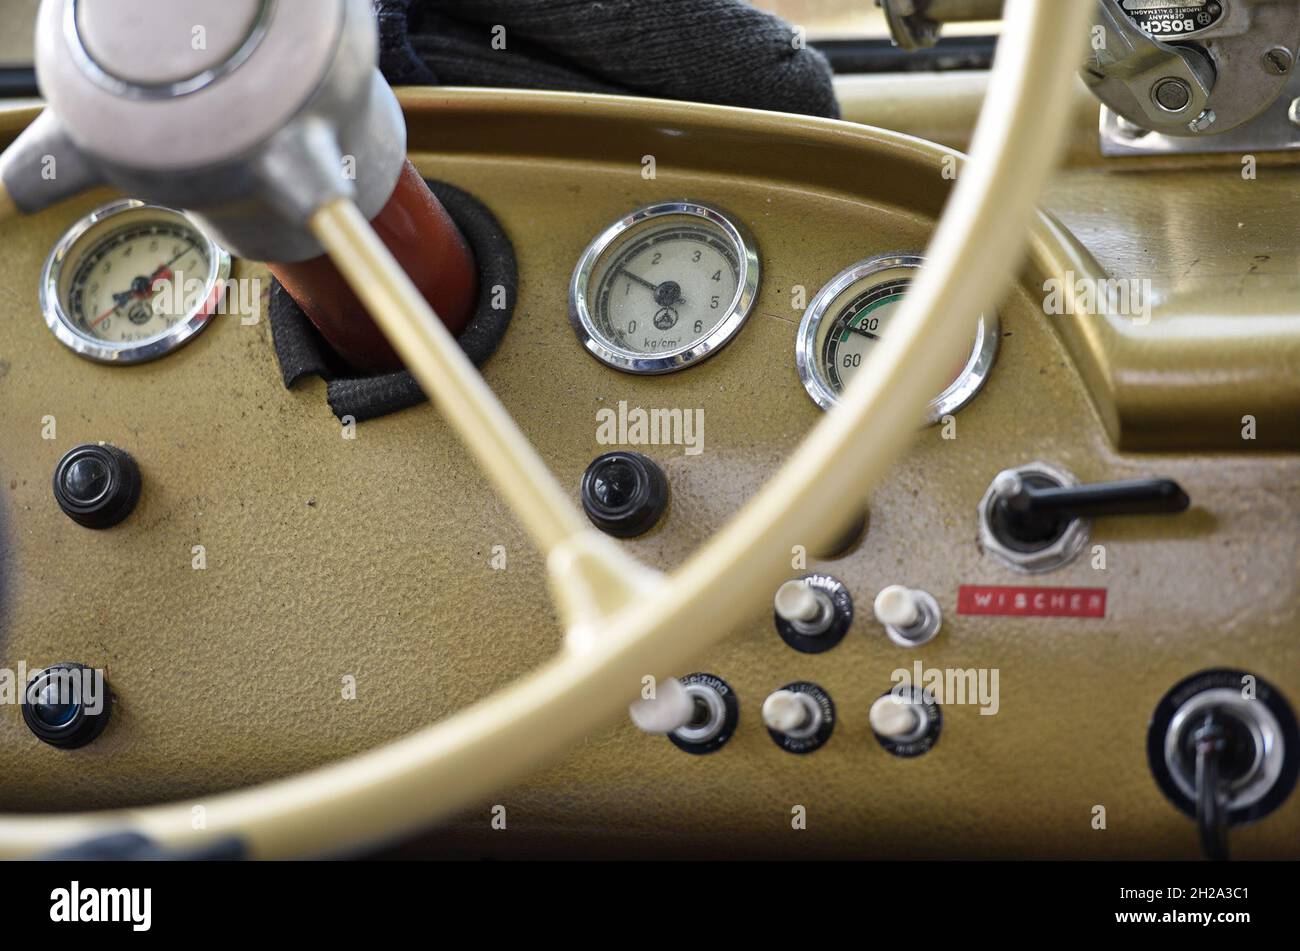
<point>1276,130</point>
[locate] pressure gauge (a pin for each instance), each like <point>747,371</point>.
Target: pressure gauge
<point>852,313</point>
<point>132,282</point>
<point>664,288</point>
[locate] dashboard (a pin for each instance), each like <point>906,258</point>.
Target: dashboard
<point>289,589</point>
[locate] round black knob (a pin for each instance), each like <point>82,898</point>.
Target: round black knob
<point>67,705</point>
<point>97,486</point>
<point>624,493</point>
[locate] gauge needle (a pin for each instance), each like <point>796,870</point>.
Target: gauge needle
<point>866,333</point>
<point>164,273</point>
<point>118,301</point>
<point>640,280</point>
<point>657,288</point>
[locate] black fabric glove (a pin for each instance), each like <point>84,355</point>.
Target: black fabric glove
<point>718,51</point>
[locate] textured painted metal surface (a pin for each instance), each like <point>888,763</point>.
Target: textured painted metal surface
<point>1215,236</point>
<point>371,557</point>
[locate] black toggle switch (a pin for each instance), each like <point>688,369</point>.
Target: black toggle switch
<point>97,486</point>
<point>1033,511</point>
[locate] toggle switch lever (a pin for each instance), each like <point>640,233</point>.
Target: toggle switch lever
<point>1034,513</point>
<point>1211,741</point>
<point>671,709</point>
<point>697,712</point>
<point>812,613</point>
<point>800,604</point>
<point>911,617</point>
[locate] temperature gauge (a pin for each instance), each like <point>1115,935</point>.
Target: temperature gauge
<point>853,312</point>
<point>664,288</point>
<point>132,282</point>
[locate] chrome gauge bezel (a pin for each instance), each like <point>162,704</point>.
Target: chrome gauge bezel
<point>742,303</point>
<point>957,395</point>
<point>63,325</point>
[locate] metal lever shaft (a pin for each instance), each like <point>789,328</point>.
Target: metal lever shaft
<point>1211,741</point>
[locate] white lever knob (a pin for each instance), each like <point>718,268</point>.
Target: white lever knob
<point>897,606</point>
<point>671,709</point>
<point>893,717</point>
<point>1008,484</point>
<point>785,711</point>
<point>796,601</point>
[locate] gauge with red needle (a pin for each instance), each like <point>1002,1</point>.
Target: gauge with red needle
<point>132,282</point>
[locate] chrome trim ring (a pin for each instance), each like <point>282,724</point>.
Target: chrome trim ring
<point>184,87</point>
<point>1060,552</point>
<point>738,312</point>
<point>711,727</point>
<point>1264,729</point>
<point>63,325</point>
<point>959,393</point>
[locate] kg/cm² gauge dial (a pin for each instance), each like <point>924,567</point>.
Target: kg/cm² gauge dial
<point>664,288</point>
<point>132,282</point>
<point>853,313</point>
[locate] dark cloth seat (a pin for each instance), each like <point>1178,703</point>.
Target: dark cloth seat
<point>717,51</point>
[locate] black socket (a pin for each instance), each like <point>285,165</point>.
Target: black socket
<point>1239,750</point>
<point>847,540</point>
<point>624,493</point>
<point>67,705</point>
<point>97,486</point>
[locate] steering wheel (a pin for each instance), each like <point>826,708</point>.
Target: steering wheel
<point>625,622</point>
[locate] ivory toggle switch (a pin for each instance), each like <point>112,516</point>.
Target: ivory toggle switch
<point>910,617</point>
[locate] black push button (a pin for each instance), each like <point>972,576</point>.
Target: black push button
<point>97,486</point>
<point>67,705</point>
<point>624,493</point>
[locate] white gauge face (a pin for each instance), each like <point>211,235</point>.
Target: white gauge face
<point>132,282</point>
<point>664,288</point>
<point>857,327</point>
<point>854,312</point>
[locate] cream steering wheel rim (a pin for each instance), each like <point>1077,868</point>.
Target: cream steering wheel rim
<point>625,621</point>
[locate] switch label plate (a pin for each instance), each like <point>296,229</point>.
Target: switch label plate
<point>1016,601</point>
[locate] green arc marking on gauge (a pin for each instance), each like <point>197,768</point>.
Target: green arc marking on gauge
<point>866,312</point>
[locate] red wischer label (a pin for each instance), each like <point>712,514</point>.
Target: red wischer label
<point>1031,602</point>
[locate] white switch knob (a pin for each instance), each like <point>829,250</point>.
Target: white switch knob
<point>911,617</point>
<point>671,709</point>
<point>796,601</point>
<point>894,718</point>
<point>785,711</point>
<point>1008,484</point>
<point>897,606</point>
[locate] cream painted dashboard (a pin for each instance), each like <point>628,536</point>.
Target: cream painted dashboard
<point>372,558</point>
